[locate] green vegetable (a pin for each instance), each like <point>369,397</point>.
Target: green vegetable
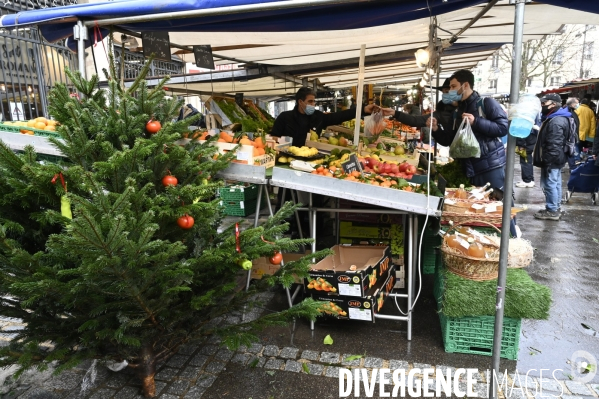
<point>328,340</point>
<point>454,174</point>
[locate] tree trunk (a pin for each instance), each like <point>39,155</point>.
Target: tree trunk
<point>147,370</point>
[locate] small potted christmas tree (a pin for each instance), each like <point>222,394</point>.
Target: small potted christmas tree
<point>115,254</point>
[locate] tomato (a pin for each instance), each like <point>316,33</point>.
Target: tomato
<point>185,222</point>
<point>276,258</point>
<point>169,180</point>
<point>153,127</point>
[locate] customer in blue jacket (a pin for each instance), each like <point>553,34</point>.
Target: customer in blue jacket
<point>489,124</point>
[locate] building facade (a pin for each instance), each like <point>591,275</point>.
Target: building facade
<point>548,63</point>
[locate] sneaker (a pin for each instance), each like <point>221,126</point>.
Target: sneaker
<point>547,215</point>
<point>525,185</point>
<point>518,231</point>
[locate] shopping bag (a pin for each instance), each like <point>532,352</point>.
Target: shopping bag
<point>465,144</point>
<point>376,123</point>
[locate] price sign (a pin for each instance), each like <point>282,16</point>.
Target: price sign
<point>352,164</point>
<point>203,56</point>
<point>157,43</point>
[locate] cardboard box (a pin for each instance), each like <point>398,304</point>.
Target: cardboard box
<point>377,242</point>
<point>262,266</point>
<point>333,274</point>
<point>358,308</point>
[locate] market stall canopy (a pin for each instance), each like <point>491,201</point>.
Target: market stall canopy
<point>575,88</point>
<point>319,39</point>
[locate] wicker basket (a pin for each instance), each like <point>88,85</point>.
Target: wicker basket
<point>468,267</point>
<point>473,219</point>
<point>522,257</point>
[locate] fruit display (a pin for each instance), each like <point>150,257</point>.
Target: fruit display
<point>374,164</point>
<point>332,309</point>
<point>259,142</point>
<point>304,151</point>
<point>321,284</point>
<point>40,123</point>
<point>454,174</point>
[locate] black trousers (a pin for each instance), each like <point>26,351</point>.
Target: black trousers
<point>526,165</point>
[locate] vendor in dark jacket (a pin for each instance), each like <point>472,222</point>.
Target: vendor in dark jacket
<point>304,117</point>
<point>549,153</point>
<point>489,123</point>
<point>443,111</point>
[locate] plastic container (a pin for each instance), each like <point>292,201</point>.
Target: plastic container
<point>523,115</point>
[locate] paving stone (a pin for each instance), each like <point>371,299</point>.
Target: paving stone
<point>68,380</point>
<point>373,362</point>
<point>205,380</point>
<point>224,354</point>
<point>261,361</point>
<point>310,355</point>
<point>168,396</point>
<point>328,357</point>
<point>241,358</point>
<point>516,393</point>
<point>178,387</point>
<point>215,367</point>
<point>289,353</point>
<point>160,385</point>
<point>576,397</point>
<point>198,360</point>
<point>332,371</point>
<point>102,393</point>
<point>315,369</point>
<point>551,385</point>
<point>270,350</point>
<point>127,393</point>
<point>292,365</point>
<point>255,348</point>
<point>595,388</point>
<point>39,393</point>
<point>187,349</point>
<point>167,374</point>
<point>195,392</point>
<point>273,364</point>
<point>215,339</point>
<point>8,336</point>
<point>190,373</point>
<point>422,366</point>
<point>209,350</point>
<point>398,364</point>
<point>177,361</point>
<point>578,388</point>
<point>354,362</point>
<point>13,328</point>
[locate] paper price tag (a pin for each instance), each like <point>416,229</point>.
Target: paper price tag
<point>491,208</point>
<point>243,156</point>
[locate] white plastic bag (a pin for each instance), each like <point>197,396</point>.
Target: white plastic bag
<point>465,144</point>
<point>376,123</point>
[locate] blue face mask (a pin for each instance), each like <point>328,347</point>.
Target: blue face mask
<point>309,109</point>
<point>452,96</point>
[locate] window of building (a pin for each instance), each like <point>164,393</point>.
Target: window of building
<point>555,80</point>
<point>493,84</point>
<point>559,56</point>
<point>587,74</point>
<point>587,51</point>
<point>495,61</point>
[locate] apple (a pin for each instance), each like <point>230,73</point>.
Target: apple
<point>394,168</point>
<point>343,142</point>
<point>403,167</point>
<point>377,168</point>
<point>411,169</point>
<point>409,177</point>
<point>392,174</point>
<point>387,167</point>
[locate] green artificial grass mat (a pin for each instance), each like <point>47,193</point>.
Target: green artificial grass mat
<point>523,297</point>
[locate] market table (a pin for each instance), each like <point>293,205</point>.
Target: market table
<point>396,201</point>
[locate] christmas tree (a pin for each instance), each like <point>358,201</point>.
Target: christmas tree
<point>115,254</point>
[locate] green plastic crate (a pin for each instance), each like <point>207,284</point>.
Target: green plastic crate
<point>239,193</point>
<point>474,335</point>
<point>36,132</point>
<point>430,243</point>
<point>239,208</point>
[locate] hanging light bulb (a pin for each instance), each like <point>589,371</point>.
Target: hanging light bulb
<point>397,98</point>
<point>422,57</point>
<point>422,83</point>
<point>29,89</point>
<point>2,87</point>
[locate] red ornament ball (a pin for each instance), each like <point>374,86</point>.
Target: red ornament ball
<point>169,180</point>
<point>276,259</point>
<point>185,222</point>
<point>153,127</point>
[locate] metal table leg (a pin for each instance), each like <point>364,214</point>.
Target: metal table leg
<point>410,271</point>
<point>258,204</point>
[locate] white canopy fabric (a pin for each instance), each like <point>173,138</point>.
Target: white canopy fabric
<point>296,52</point>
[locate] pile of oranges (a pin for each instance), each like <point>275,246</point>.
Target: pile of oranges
<point>368,178</point>
<point>40,123</point>
<point>258,144</point>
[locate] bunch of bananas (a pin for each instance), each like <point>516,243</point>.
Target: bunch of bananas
<point>303,151</point>
<point>521,151</point>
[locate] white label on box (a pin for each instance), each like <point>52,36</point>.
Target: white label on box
<point>350,289</point>
<point>448,201</point>
<point>243,156</point>
<point>476,206</point>
<point>241,205</point>
<point>360,314</point>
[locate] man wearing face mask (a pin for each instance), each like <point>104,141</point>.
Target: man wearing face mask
<point>549,153</point>
<point>489,123</point>
<point>304,117</point>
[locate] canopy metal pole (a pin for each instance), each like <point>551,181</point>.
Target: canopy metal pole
<point>277,5</point>
<point>507,196</point>
<point>80,34</point>
<point>360,95</point>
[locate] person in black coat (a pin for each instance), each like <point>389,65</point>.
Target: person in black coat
<point>549,154</point>
<point>304,117</point>
<point>528,144</point>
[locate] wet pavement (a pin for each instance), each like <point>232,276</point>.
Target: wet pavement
<point>293,363</point>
